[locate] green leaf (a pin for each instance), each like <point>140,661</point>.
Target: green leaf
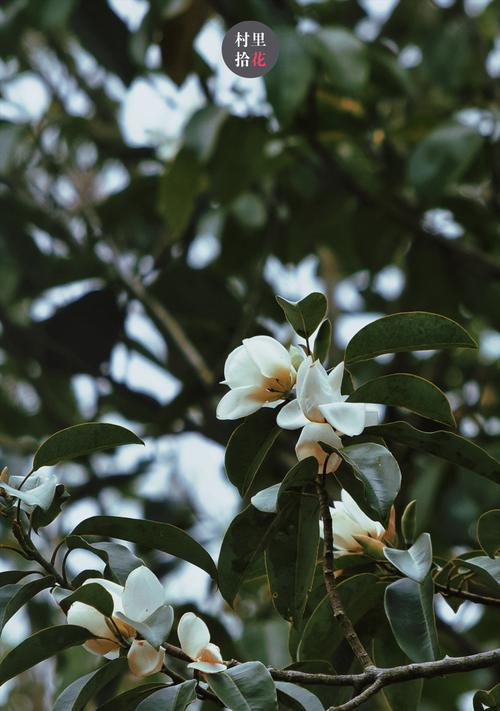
<point>323,341</point>
<point>442,157</point>
<point>411,331</point>
<point>41,518</point>
<point>296,698</point>
<point>321,635</point>
<point>487,700</point>
<point>409,522</point>
<point>9,577</point>
<point>447,445</point>
<point>178,191</point>
<point>246,687</point>
<point>175,698</point>
<point>487,569</point>
<point>386,653</point>
<point>245,539</point>
<point>120,561</point>
<point>40,646</point>
<point>410,611</point>
<point>416,562</point>
<point>81,692</point>
<point>13,597</point>
<point>202,130</point>
<point>247,449</point>
<point>292,554</point>
<point>409,391</point>
<point>376,468</point>
<point>91,594</point>
<point>150,534</point>
<point>267,499</point>
<point>82,439</point>
<point>344,57</point>
<point>156,628</point>
<point>303,473</point>
<point>304,316</point>
<point>128,700</point>
<point>488,532</point>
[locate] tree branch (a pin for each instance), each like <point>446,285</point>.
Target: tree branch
<point>467,595</point>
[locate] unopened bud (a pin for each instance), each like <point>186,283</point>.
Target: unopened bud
<point>371,546</point>
<point>4,475</point>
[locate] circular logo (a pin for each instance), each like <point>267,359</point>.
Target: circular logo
<point>250,49</point>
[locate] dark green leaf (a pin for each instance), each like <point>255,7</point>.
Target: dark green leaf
<point>82,439</point>
<point>292,555</point>
<point>91,594</point>
<point>409,522</point>
<point>13,576</point>
<point>410,610</point>
<point>488,532</point>
<point>323,341</point>
<point>81,692</point>
<point>13,597</point>
<point>378,471</point>
<point>40,646</point>
<point>446,445</point>
<point>412,331</point>
<point>304,316</point>
<point>487,700</point>
<point>175,698</point>
<point>408,391</point>
<point>128,700</point>
<point>344,57</point>
<point>246,687</point>
<point>487,569</point>
<point>179,189</point>
<point>120,561</point>
<point>150,534</point>
<point>41,518</point>
<point>416,562</point>
<point>297,698</point>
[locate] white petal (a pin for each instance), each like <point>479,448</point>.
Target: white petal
<point>267,499</point>
<point>143,594</point>
<point>115,590</point>
<point>86,616</point>
<point>346,417</point>
<point>207,667</point>
<point>143,659</point>
<point>314,390</point>
<point>193,634</point>
<point>335,378</point>
<point>291,417</point>
<point>308,445</point>
<point>269,356</point>
<point>240,369</point>
<point>239,402</point>
<point>369,526</point>
<point>344,528</point>
<point>40,492</point>
<point>372,414</point>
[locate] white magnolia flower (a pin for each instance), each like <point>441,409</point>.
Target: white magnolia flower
<point>37,490</point>
<point>258,372</point>
<point>308,445</point>
<point>349,521</point>
<point>194,637</point>
<point>142,595</point>
<point>319,400</point>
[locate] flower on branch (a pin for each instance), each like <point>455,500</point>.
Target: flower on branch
<point>194,637</point>
<point>258,372</point>
<point>133,607</point>
<point>36,490</point>
<point>350,521</point>
<point>319,399</point>
<point>308,445</point>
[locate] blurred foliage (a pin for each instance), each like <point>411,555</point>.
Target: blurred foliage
<point>377,151</point>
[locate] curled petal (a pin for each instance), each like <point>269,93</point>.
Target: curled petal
<point>291,417</point>
<point>193,634</point>
<point>143,659</point>
<point>308,444</point>
<point>237,403</point>
<point>37,491</point>
<point>143,594</point>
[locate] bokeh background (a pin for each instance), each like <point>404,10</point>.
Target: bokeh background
<point>151,205</point>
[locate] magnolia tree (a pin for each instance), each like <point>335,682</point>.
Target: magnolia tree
<point>343,564</point>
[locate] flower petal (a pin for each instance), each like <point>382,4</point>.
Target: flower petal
<point>240,369</point>
<point>347,417</point>
<point>308,445</point>
<point>143,594</point>
<point>143,659</point>
<point>369,526</point>
<point>372,414</point>
<point>88,617</point>
<point>39,492</point>
<point>115,590</point>
<point>291,417</point>
<point>267,499</point>
<point>335,378</point>
<point>103,648</point>
<point>193,634</point>
<point>239,402</point>
<point>314,390</point>
<point>269,356</point>
<point>207,667</point>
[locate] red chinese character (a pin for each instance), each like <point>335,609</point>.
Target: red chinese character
<point>259,59</point>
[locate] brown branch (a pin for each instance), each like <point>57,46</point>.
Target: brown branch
<point>331,587</point>
<point>467,595</point>
<point>33,553</point>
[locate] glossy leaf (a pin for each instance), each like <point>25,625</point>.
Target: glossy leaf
<point>304,316</point>
<point>128,700</point>
<point>41,518</point>
<point>150,534</point>
<point>376,468</point>
<point>14,596</point>
<point>487,569</point>
<point>297,698</point>
<point>409,608</point>
<point>91,594</point>
<point>175,698</point>
<point>79,440</point>
<point>409,522</point>
<point>416,562</point>
<point>323,341</point>
<point>488,532</point>
<point>246,687</point>
<point>407,331</point>
<point>41,645</point>
<point>410,392</point>
<point>344,57</point>
<point>447,445</point>
<point>81,692</point>
<point>487,700</point>
<point>120,561</point>
<point>9,577</point>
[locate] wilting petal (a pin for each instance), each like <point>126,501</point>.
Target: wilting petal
<point>37,491</point>
<point>103,648</point>
<point>193,634</point>
<point>143,659</point>
<point>143,594</point>
<point>291,417</point>
<point>335,378</point>
<point>346,417</point>
<point>267,499</point>
<point>269,356</point>
<point>239,402</point>
<point>209,661</point>
<point>240,369</point>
